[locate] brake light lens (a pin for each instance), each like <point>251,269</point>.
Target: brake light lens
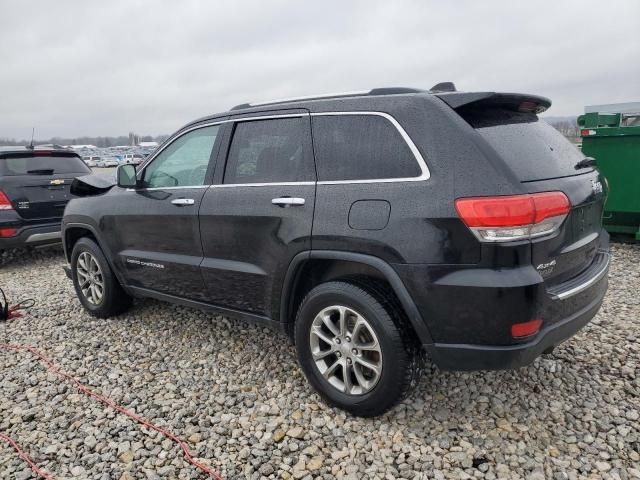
<point>525,329</point>
<point>513,217</point>
<point>7,232</point>
<point>5,204</point>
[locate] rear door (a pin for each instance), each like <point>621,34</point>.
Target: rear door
<point>37,183</point>
<point>543,160</point>
<point>259,213</point>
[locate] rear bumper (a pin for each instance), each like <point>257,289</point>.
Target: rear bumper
<point>35,235</point>
<point>470,311</point>
<point>486,357</point>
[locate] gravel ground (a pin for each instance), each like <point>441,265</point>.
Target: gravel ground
<point>236,394</point>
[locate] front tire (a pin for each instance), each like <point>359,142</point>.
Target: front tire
<point>97,287</point>
<point>354,351</point>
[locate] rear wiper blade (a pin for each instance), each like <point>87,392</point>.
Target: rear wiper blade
<point>42,171</point>
<point>586,162</point>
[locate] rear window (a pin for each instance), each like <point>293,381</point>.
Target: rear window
<point>533,149</point>
<point>44,165</point>
<point>361,147</point>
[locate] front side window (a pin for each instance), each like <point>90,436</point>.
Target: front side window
<point>361,147</point>
<point>270,151</point>
<point>184,162</point>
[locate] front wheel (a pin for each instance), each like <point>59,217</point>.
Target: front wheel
<point>95,284</point>
<point>353,351</point>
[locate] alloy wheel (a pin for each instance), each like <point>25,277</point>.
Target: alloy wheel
<point>90,278</point>
<point>346,350</point>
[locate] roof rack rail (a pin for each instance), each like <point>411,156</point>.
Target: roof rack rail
<point>361,93</point>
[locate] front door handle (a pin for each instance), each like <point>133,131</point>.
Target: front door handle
<point>288,201</point>
<point>181,202</point>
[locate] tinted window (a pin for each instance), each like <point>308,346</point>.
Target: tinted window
<point>270,151</point>
<point>531,147</point>
<point>46,165</point>
<point>184,162</point>
<point>361,147</point>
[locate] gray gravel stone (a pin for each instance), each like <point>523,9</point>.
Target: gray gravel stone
<point>236,394</point>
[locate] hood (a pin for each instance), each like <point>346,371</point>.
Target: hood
<point>93,184</point>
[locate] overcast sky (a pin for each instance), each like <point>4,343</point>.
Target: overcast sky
<point>73,68</point>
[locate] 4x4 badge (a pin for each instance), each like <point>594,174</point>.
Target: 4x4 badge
<point>596,186</point>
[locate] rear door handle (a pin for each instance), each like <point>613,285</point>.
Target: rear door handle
<point>288,201</point>
<point>181,202</point>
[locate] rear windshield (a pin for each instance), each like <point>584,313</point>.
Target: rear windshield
<point>533,149</point>
<point>45,165</point>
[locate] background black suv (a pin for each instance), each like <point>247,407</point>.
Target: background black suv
<point>34,189</point>
<point>371,227</point>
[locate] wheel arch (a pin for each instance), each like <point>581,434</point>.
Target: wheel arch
<point>310,268</point>
<point>73,232</point>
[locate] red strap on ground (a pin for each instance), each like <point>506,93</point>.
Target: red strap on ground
<point>25,457</point>
<point>107,401</point>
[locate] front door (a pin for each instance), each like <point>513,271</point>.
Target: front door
<point>259,213</point>
<point>158,240</point>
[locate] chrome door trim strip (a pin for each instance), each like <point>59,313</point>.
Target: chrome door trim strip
<point>271,184</point>
<point>41,237</point>
<point>583,286</point>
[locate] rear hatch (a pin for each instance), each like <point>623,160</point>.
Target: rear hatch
<point>37,182</point>
<point>543,160</point>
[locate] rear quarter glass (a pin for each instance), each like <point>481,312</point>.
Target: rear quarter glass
<point>532,148</point>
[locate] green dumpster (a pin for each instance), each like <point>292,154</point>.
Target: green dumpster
<point>611,135</point>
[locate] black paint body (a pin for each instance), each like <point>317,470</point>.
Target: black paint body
<point>234,251</point>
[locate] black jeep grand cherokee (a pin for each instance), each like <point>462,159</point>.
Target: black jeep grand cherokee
<point>370,227</point>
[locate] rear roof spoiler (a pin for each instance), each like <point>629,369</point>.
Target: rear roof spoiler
<point>511,101</point>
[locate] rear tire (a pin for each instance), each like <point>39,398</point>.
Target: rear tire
<point>97,287</point>
<point>377,378</point>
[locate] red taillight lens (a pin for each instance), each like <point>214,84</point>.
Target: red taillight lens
<point>496,211</point>
<point>525,329</point>
<point>7,232</point>
<point>513,217</point>
<point>5,204</point>
<point>550,204</point>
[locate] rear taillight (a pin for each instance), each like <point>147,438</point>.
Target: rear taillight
<point>514,217</point>
<point>5,204</point>
<point>7,232</point>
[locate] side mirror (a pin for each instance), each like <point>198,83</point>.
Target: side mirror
<point>126,176</point>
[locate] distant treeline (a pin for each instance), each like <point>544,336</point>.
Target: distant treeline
<point>567,126</point>
<point>96,141</point>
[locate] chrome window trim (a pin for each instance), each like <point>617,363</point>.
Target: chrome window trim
<point>268,184</point>
<point>148,189</point>
<point>210,124</point>
<point>425,175</point>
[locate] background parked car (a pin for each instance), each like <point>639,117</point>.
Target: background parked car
<point>34,189</point>
<point>110,162</point>
<point>91,160</point>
